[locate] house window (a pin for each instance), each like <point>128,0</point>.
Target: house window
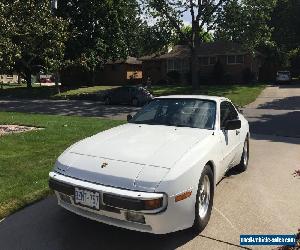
<point>207,60</point>
<point>180,65</point>
<point>177,65</point>
<point>170,65</point>
<point>238,59</point>
<point>203,61</point>
<point>230,59</point>
<point>185,65</point>
<point>9,76</point>
<point>212,60</point>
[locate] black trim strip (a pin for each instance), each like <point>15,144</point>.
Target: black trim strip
<point>122,202</point>
<point>61,187</point>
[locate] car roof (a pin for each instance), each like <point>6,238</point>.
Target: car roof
<point>200,97</point>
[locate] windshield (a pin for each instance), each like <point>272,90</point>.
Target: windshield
<point>194,113</point>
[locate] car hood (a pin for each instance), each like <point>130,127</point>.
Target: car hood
<point>129,156</point>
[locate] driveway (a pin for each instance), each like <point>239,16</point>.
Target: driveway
<point>276,111</point>
<point>67,107</point>
<point>263,200</point>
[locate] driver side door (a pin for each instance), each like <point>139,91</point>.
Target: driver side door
<point>230,139</point>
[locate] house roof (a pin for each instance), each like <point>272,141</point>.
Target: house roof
<point>206,49</point>
<point>221,48</point>
<point>151,56</point>
<point>128,60</point>
<point>179,51</point>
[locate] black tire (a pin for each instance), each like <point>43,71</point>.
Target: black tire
<point>245,157</point>
<point>202,214</point>
<point>135,102</point>
<point>107,100</point>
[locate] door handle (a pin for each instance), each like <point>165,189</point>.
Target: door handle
<point>237,132</point>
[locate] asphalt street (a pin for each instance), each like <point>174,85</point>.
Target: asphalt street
<point>67,107</point>
<point>263,200</point>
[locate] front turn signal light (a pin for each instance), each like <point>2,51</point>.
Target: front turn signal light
<point>153,204</point>
<point>183,196</point>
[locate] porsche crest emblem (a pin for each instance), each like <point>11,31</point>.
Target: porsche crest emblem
<point>104,165</point>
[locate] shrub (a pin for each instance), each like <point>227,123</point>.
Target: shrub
<point>188,76</point>
<point>174,76</point>
<point>203,78</point>
<point>294,57</point>
<point>162,82</point>
<point>228,79</point>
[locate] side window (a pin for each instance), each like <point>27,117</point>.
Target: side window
<point>225,113</point>
<point>228,112</point>
<point>233,113</point>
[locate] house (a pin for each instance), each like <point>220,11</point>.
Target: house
<point>234,58</point>
<point>120,72</point>
<point>11,78</point>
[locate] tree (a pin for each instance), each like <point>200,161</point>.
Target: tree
<point>187,30</point>
<point>150,39</point>
<point>294,58</point>
<point>35,36</point>
<point>109,30</point>
<point>204,14</point>
<point>96,35</point>
<point>9,52</point>
<point>246,22</point>
<point>101,31</point>
<point>285,23</point>
<point>142,37</point>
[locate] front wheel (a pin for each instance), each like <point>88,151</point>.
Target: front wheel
<point>245,157</point>
<point>204,199</point>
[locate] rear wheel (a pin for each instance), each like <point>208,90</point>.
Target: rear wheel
<point>204,199</point>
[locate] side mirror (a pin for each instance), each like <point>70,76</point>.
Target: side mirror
<point>233,125</point>
<point>129,117</point>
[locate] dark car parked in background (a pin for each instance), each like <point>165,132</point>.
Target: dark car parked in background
<point>132,95</point>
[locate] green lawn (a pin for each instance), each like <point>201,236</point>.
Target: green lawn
<point>239,94</point>
<point>44,92</point>
<point>27,158</point>
<point>82,91</point>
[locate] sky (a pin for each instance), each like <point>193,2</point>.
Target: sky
<point>187,18</point>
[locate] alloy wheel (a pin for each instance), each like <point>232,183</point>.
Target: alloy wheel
<point>204,197</point>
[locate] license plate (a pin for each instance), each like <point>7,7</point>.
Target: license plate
<point>87,198</point>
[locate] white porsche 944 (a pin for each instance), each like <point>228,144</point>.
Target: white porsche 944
<point>158,172</point>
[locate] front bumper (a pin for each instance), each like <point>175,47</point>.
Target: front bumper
<point>161,221</point>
